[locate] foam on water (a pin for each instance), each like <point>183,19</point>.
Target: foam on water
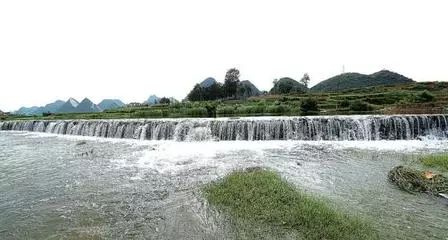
<point>329,128</point>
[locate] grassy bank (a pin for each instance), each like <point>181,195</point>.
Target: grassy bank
<point>439,161</point>
<point>260,201</point>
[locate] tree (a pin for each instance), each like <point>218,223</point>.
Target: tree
<point>309,106</point>
<point>231,81</point>
<point>305,80</point>
<point>165,100</point>
<point>196,94</point>
<point>213,92</point>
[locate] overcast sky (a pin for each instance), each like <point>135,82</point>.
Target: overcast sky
<point>131,49</point>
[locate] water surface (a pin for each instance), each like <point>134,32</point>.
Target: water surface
<point>78,187</point>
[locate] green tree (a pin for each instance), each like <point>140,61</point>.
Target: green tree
<point>231,81</point>
<point>305,80</point>
<point>196,94</point>
<point>213,92</point>
<point>309,106</point>
<point>164,100</point>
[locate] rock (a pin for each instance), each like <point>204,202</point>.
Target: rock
<point>81,143</point>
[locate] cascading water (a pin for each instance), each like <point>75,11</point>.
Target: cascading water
<point>395,127</point>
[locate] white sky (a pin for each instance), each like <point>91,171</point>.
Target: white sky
<point>131,49</point>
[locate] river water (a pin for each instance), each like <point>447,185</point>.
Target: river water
<point>73,187</point>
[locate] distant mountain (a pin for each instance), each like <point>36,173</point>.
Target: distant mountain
<point>69,106</point>
<point>288,85</point>
<point>356,80</point>
<point>247,89</point>
<point>208,82</point>
<point>110,104</point>
<point>29,111</point>
<point>153,99</point>
<point>53,107</point>
<point>35,110</point>
<point>87,106</point>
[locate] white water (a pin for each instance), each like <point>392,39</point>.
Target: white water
<point>333,128</point>
<point>139,178</point>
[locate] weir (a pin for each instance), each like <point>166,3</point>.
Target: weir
<point>337,128</point>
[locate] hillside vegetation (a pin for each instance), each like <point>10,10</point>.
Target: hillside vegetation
<point>357,80</point>
<point>413,98</point>
<point>287,85</point>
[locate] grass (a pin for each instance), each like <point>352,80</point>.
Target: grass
<point>439,161</point>
<point>260,199</point>
<point>412,180</point>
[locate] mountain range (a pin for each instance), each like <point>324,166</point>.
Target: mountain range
<point>245,89</point>
<point>71,106</point>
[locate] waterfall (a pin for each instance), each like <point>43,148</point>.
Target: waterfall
<point>394,127</point>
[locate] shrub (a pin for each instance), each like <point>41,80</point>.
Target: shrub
<point>196,112</point>
<point>360,106</point>
<point>309,106</point>
<point>424,96</point>
<point>345,103</point>
<point>276,109</point>
<point>226,110</point>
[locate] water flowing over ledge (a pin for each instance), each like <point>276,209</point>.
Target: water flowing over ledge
<point>395,127</point>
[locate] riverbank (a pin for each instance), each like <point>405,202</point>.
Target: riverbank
<point>415,98</point>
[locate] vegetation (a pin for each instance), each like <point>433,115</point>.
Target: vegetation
<point>260,201</point>
<point>231,81</point>
<point>164,100</point>
<point>288,85</point>
<point>305,81</point>
<point>309,106</point>
<point>439,161</point>
<point>360,106</point>
<point>397,99</point>
<point>412,180</point>
<point>424,96</point>
<point>356,80</point>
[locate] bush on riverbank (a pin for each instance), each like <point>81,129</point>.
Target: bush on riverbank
<point>412,180</point>
<point>258,199</point>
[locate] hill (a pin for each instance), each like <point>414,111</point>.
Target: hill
<point>247,89</point>
<point>53,107</point>
<point>153,99</point>
<point>288,85</point>
<point>29,111</point>
<point>69,106</point>
<point>208,82</point>
<point>35,110</point>
<point>110,104</point>
<point>357,80</point>
<point>86,106</point>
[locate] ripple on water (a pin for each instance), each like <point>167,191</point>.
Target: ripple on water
<point>146,189</point>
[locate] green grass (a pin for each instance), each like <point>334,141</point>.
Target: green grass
<point>439,161</point>
<point>260,199</point>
